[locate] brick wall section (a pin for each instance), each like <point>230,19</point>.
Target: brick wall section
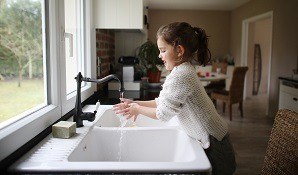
<point>105,52</point>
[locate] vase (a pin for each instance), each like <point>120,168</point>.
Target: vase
<point>154,77</point>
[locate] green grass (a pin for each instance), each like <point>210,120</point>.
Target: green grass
<point>14,100</point>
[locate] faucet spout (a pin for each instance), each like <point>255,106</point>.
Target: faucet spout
<point>105,79</point>
<point>79,115</point>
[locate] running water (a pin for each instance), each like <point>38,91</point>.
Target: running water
<point>119,157</point>
<point>121,95</point>
<point>123,122</point>
<point>122,118</point>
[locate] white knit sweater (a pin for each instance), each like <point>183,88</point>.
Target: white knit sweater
<point>184,96</point>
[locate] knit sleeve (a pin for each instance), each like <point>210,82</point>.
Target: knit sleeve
<point>175,92</point>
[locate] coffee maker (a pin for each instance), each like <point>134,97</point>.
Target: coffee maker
<point>128,63</point>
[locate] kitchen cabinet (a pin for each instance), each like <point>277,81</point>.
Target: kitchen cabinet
<point>119,14</point>
<point>288,94</point>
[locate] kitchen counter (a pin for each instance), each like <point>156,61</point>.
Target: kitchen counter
<point>291,79</point>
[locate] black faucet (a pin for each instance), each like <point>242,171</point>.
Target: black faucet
<point>79,115</point>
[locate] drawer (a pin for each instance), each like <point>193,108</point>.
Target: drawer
<point>289,90</point>
<point>288,101</point>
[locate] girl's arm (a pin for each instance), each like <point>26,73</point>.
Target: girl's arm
<point>150,103</point>
<point>135,109</point>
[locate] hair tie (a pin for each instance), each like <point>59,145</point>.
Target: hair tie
<point>196,30</point>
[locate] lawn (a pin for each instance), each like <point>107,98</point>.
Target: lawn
<point>14,100</point>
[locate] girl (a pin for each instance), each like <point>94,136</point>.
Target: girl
<point>184,96</point>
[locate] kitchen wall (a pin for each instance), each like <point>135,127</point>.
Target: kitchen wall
<point>284,39</point>
<point>105,52</point>
<point>127,43</point>
<point>216,24</point>
<point>112,44</point>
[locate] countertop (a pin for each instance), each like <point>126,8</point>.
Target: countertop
<point>289,78</point>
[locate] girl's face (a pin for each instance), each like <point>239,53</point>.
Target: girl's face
<point>167,54</point>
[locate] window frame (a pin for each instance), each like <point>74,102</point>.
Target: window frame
<point>68,100</point>
<point>17,134</point>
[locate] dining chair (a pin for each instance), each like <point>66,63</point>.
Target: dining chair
<point>222,65</point>
<point>235,94</point>
<point>281,155</point>
<point>217,85</point>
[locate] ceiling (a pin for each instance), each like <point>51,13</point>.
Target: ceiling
<point>195,4</point>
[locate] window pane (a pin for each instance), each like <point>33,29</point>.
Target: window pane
<point>22,79</point>
<point>73,41</point>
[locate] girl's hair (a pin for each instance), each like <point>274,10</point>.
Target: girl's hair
<point>193,39</point>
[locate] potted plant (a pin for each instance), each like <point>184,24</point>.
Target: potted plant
<point>149,60</point>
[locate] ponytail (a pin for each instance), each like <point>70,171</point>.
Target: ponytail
<point>203,52</point>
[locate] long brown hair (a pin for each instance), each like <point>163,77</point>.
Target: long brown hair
<point>193,39</point>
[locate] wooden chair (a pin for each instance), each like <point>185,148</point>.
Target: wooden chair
<point>222,65</point>
<point>235,94</point>
<point>282,151</point>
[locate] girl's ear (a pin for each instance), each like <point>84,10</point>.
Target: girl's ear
<point>180,50</point>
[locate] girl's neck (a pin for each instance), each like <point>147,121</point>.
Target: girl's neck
<point>185,62</point>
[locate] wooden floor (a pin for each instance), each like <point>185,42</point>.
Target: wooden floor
<point>249,135</point>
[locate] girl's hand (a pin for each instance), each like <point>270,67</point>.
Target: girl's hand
<point>126,100</point>
<point>119,108</point>
<point>132,111</point>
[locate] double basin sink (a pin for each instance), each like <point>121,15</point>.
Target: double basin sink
<point>147,145</point>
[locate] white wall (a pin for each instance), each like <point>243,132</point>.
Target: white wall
<point>127,43</point>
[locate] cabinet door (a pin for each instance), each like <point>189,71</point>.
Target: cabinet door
<point>136,14</point>
<point>118,14</point>
<point>105,14</point>
<point>111,14</point>
<point>123,10</point>
<point>98,12</point>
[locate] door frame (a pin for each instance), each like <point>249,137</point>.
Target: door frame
<point>244,47</point>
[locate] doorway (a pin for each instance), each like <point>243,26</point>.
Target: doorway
<point>257,31</point>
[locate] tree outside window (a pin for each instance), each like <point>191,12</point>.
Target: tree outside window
<point>21,56</point>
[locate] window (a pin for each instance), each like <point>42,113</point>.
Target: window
<point>52,51</point>
<point>73,53</point>
<point>22,59</point>
<point>74,42</point>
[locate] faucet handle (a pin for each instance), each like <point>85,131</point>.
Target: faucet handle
<point>97,106</point>
<point>90,116</point>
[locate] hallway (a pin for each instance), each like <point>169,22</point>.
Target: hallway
<point>249,134</point>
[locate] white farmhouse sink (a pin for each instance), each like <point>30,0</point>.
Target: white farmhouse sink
<point>101,146</point>
<point>140,150</point>
<point>137,145</point>
<point>110,119</point>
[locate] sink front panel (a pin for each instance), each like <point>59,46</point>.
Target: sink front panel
<point>137,145</point>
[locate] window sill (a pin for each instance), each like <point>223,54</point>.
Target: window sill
<point>17,134</point>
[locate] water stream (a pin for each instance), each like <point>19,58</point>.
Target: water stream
<point>123,122</point>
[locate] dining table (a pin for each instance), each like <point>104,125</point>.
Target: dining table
<point>213,77</point>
